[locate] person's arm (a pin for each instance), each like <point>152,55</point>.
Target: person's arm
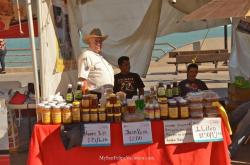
<point>83,71</point>
<point>183,88</point>
<point>140,85</point>
<point>116,86</point>
<point>203,86</point>
<point>141,91</point>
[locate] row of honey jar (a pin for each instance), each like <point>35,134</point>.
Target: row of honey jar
<point>73,113</point>
<point>172,109</point>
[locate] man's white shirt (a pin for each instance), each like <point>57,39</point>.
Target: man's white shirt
<point>96,70</point>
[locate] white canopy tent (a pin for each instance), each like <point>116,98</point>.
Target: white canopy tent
<point>132,27</point>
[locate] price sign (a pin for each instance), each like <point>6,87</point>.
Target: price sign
<point>96,135</point>
<point>207,130</point>
<point>137,133</point>
<point>178,131</point>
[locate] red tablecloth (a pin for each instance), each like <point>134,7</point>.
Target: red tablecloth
<point>4,160</point>
<point>46,148</point>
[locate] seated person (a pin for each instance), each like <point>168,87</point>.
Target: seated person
<point>127,81</point>
<point>191,84</point>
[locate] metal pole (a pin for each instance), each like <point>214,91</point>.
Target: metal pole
<point>41,42</point>
<point>32,39</point>
<point>225,36</point>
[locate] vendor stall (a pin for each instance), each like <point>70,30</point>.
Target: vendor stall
<point>46,148</point>
<point>142,130</point>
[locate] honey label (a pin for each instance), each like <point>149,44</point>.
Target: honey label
<point>184,112</point>
<point>164,112</point>
<point>93,117</point>
<point>76,115</point>
<point>173,112</point>
<point>66,117</point>
<point>102,117</point>
<point>46,118</point>
<point>157,113</point>
<point>56,117</point>
<point>85,117</point>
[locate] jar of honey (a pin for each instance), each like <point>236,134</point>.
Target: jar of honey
<point>183,109</point>
<point>56,115</point>
<point>164,111</point>
<point>112,98</point>
<point>46,118</point>
<point>109,108</point>
<point>173,109</point>
<point>157,111</point>
<point>102,114</point>
<point>85,115</point>
<point>39,109</point>
<point>76,113</point>
<point>117,108</point>
<point>93,115</point>
<point>66,115</point>
<point>110,118</point>
<point>94,101</point>
<point>117,118</point>
<point>151,112</point>
<point>85,101</point>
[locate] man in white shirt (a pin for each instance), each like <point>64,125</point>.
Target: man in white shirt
<point>93,69</point>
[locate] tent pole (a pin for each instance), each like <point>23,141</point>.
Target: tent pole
<point>32,39</point>
<point>41,42</point>
<point>225,36</point>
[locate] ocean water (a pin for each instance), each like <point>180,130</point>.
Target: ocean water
<point>16,58</point>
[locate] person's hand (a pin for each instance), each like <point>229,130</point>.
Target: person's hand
<point>84,87</point>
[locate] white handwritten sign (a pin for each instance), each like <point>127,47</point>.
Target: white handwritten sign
<point>178,131</point>
<point>96,135</point>
<point>207,130</point>
<point>137,133</point>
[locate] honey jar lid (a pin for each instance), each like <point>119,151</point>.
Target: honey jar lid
<point>85,110</point>
<point>47,106</point>
<point>112,95</point>
<point>109,105</point>
<point>118,114</point>
<point>76,103</point>
<point>101,109</point>
<point>67,106</point>
<point>93,110</point>
<point>117,105</point>
<point>56,107</point>
<point>110,114</point>
<point>41,105</point>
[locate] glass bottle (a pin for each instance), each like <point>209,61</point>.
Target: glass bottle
<point>183,109</point>
<point>78,92</point>
<point>56,115</point>
<point>157,111</point>
<point>76,113</point>
<point>161,90</point>
<point>169,92</point>
<point>173,109</point>
<point>66,115</point>
<point>175,89</point>
<point>69,95</point>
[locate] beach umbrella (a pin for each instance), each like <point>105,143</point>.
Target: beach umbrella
<point>220,9</point>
